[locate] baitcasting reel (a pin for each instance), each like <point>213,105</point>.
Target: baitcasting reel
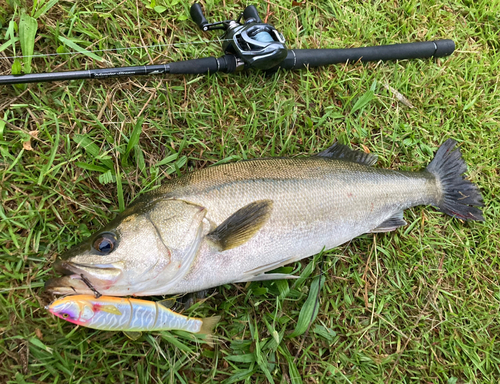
<point>254,43</point>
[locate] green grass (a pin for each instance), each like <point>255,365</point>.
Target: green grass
<point>419,305</point>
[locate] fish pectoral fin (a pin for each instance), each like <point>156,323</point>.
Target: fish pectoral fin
<point>132,335</point>
<point>391,224</point>
<point>268,276</point>
<point>242,225</point>
<point>343,152</point>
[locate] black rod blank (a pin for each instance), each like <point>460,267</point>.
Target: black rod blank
<point>202,66</point>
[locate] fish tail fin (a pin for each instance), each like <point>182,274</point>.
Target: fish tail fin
<point>207,326</point>
<point>459,197</point>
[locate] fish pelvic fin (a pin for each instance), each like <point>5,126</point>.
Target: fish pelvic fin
<point>242,225</point>
<point>343,152</point>
<point>267,277</point>
<point>391,224</point>
<point>459,197</point>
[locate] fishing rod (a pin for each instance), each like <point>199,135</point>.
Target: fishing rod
<point>251,44</point>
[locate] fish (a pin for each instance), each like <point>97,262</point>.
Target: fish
<point>237,222</point>
<point>129,315</point>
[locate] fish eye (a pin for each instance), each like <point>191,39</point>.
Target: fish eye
<point>105,243</point>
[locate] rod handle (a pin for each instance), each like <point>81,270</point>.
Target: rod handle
<point>301,58</point>
<point>196,13</point>
<point>251,12</point>
<point>444,47</point>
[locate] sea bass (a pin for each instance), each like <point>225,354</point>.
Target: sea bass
<point>128,315</point>
<point>235,222</point>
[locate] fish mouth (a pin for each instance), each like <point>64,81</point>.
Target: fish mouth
<point>67,285</point>
<point>77,277</point>
<point>89,270</point>
<point>64,268</point>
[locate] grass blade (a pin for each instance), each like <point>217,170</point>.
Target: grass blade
<point>45,8</point>
<point>92,149</point>
<point>53,153</point>
<point>363,101</point>
<point>133,141</point>
<point>7,44</point>
<point>310,309</point>
<point>27,32</point>
<point>119,191</point>
<point>74,46</point>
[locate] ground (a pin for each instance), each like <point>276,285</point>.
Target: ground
<point>420,304</point>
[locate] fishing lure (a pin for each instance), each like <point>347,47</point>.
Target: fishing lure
<point>125,314</point>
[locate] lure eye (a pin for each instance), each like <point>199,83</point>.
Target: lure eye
<point>65,315</point>
<point>105,243</point>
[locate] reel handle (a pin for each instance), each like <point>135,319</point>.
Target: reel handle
<point>251,12</point>
<point>196,13</point>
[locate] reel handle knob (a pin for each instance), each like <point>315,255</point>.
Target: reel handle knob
<point>250,12</point>
<point>196,13</point>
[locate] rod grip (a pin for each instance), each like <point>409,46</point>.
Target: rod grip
<point>301,58</point>
<point>196,13</point>
<point>251,12</point>
<point>444,47</point>
<point>226,63</point>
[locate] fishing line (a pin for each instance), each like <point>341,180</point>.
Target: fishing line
<point>113,49</point>
<point>88,284</point>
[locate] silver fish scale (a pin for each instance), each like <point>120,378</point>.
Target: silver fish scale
<point>317,204</point>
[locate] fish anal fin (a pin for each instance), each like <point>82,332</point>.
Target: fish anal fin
<point>132,335</point>
<point>242,225</point>
<point>391,224</point>
<point>343,152</point>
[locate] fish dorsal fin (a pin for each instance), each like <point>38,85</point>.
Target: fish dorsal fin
<point>110,309</point>
<point>242,225</point>
<point>391,224</point>
<point>132,335</point>
<point>343,152</point>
